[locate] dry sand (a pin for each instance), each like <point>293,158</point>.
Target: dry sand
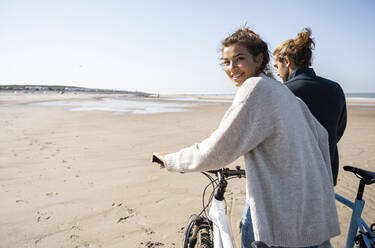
<point>84,179</point>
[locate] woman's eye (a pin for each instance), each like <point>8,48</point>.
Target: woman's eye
<point>226,63</point>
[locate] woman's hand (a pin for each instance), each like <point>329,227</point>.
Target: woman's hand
<point>158,157</point>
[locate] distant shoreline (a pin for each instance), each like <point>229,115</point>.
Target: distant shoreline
<point>62,89</point>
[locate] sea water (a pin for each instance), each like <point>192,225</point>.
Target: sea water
<point>364,101</point>
<point>361,95</point>
<point>129,105</point>
<point>169,104</point>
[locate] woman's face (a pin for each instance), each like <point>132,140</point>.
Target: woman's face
<point>239,64</point>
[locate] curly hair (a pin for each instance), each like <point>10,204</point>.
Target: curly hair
<point>254,44</point>
<point>299,50</point>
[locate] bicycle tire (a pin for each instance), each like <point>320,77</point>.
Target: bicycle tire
<point>205,238</point>
<point>190,235</point>
<point>198,233</point>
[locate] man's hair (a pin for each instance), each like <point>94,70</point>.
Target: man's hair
<point>298,50</point>
<point>253,43</point>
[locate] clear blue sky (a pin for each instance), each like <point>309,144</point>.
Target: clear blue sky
<point>172,46</point>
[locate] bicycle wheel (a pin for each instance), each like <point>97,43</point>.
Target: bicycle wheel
<point>198,233</point>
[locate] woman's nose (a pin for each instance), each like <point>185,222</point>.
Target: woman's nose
<point>232,65</point>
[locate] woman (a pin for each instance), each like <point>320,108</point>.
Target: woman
<point>289,180</point>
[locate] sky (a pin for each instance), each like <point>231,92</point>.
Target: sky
<point>169,47</point>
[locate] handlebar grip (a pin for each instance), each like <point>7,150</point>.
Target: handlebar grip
<point>235,173</point>
<point>156,160</point>
<point>226,172</point>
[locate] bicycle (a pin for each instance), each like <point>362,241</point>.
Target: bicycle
<point>212,230</point>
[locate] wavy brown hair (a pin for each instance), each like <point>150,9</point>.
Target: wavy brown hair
<point>254,44</point>
<point>298,50</point>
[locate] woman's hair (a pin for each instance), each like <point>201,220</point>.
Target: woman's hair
<point>254,44</point>
<point>299,50</point>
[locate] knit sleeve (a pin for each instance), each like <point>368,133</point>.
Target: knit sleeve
<point>245,125</point>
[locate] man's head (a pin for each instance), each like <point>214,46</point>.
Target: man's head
<point>284,67</point>
<point>293,54</point>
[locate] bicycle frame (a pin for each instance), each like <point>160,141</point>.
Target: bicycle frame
<point>217,214</point>
<point>222,235</point>
<point>356,221</point>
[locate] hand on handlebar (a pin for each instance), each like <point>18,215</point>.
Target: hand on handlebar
<point>158,157</point>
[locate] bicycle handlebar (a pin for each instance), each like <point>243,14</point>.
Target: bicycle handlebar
<point>226,172</point>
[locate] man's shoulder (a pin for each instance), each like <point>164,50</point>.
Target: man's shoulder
<point>329,82</point>
<point>312,82</point>
<point>299,83</point>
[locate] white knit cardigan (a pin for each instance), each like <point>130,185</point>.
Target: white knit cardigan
<point>289,178</point>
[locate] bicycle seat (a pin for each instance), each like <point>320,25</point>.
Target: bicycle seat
<point>259,244</point>
<point>367,176</point>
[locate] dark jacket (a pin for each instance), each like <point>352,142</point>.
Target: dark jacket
<point>326,101</point>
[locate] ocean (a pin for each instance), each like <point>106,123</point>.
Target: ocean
<point>360,95</point>
<point>364,101</point>
<point>119,105</point>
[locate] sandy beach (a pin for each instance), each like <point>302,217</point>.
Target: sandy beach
<point>85,178</point>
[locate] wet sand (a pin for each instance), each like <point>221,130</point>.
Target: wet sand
<point>84,179</point>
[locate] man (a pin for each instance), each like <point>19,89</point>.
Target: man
<point>324,98</point>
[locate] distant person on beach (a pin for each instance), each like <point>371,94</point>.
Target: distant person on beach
<point>325,98</point>
<point>289,185</point>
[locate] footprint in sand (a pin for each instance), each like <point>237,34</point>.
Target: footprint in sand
<point>131,212</point>
<point>152,244</point>
<point>51,194</point>
<point>148,230</point>
<point>123,219</point>
<point>116,204</point>
<point>74,236</point>
<point>43,216</point>
<point>76,228</point>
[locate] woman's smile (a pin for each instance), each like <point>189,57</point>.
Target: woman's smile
<point>236,76</point>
